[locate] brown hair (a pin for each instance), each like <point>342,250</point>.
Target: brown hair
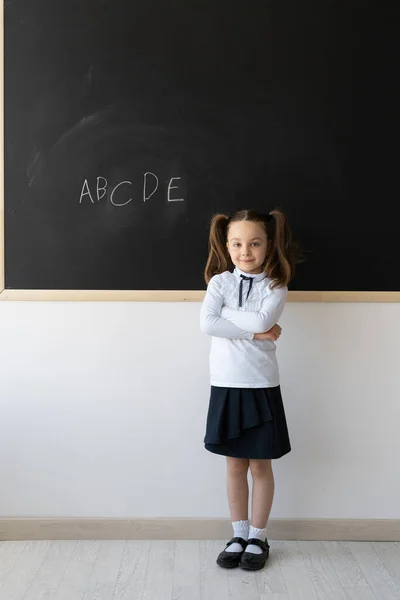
<point>282,254</point>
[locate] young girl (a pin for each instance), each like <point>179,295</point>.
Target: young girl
<point>250,263</point>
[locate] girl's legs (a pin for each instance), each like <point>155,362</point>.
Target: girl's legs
<point>238,498</point>
<point>263,491</point>
<point>237,487</point>
<point>262,498</point>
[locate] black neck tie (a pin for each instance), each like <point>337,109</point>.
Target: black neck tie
<point>250,280</point>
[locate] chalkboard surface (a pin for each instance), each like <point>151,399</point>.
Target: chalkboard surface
<point>129,123</point>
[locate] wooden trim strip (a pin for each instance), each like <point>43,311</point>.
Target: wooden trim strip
<point>178,295</point>
<point>194,529</point>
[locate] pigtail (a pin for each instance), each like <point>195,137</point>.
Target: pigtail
<point>218,257</point>
<point>282,254</point>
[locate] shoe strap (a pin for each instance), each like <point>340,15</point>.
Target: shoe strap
<point>237,540</point>
<point>263,545</point>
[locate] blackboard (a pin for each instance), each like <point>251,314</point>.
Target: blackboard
<point>128,124</point>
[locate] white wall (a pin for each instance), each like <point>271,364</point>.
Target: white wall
<point>103,408</point>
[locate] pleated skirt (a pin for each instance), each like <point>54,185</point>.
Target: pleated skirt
<point>247,423</point>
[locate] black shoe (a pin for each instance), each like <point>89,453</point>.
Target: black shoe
<point>252,561</point>
<point>230,560</point>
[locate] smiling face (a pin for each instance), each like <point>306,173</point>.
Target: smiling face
<point>247,246</point>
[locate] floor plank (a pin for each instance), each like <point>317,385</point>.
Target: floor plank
<point>243,584</point>
<point>107,567</point>
<point>132,573</point>
<point>9,555</point>
<point>186,577</point>
<point>295,575</point>
<point>374,571</point>
<point>214,583</point>
<point>360,593</point>
<point>108,561</point>
<point>25,569</point>
<point>345,565</point>
<point>322,574</point>
<point>159,572</point>
<point>51,571</point>
<point>389,553</point>
<point>270,581</point>
<point>187,570</point>
<point>77,574</point>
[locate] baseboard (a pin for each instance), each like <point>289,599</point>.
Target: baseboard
<point>194,529</point>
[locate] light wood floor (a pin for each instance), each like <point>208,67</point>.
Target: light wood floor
<point>186,570</point>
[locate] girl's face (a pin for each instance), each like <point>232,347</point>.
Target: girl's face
<point>247,246</point>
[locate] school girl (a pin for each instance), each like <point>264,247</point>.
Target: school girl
<point>251,261</point>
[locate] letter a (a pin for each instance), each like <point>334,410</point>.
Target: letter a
<point>86,193</point>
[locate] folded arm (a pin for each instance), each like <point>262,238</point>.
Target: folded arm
<point>263,319</point>
<point>211,321</point>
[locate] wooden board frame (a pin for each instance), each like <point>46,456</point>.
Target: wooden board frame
<point>138,295</point>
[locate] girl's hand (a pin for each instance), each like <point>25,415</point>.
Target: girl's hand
<point>273,334</point>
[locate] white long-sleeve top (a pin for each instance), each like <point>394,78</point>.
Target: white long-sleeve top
<point>236,358</point>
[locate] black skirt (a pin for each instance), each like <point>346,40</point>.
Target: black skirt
<point>247,423</point>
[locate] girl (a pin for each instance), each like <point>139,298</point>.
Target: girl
<point>251,261</point>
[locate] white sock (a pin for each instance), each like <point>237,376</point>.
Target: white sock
<point>260,534</point>
<point>240,529</point>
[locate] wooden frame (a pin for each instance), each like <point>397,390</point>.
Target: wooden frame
<point>135,295</point>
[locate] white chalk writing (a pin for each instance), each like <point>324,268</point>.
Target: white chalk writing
<point>104,188</point>
<point>150,187</point>
<point>116,187</point>
<point>84,193</point>
<point>144,186</point>
<point>172,187</point>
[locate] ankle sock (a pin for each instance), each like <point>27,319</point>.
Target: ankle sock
<point>240,529</point>
<point>260,534</point>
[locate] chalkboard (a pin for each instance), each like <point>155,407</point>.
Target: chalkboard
<point>129,123</point>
